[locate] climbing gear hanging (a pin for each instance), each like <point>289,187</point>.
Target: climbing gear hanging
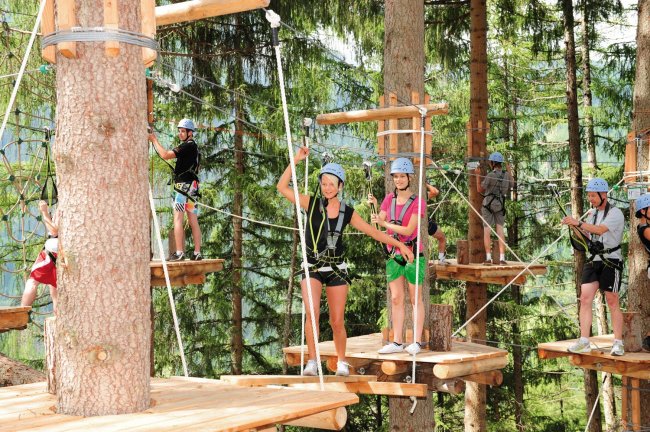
<point>51,196</point>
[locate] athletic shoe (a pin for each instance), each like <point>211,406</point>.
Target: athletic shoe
<point>196,256</point>
<point>342,368</point>
<point>442,261</point>
<point>487,262</point>
<point>580,347</point>
<point>391,348</point>
<point>617,348</point>
<point>176,256</point>
<point>503,262</point>
<point>414,348</point>
<point>311,369</point>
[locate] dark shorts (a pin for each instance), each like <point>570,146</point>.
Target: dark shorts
<point>607,275</point>
<point>329,274</point>
<point>433,227</point>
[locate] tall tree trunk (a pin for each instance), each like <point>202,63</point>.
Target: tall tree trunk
<point>639,286</point>
<point>101,156</point>
<point>608,397</point>
<point>236,338</point>
<point>403,74</point>
<point>586,89</point>
<point>575,161</point>
<point>475,394</point>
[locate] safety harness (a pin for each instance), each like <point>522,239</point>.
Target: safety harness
<point>501,199</point>
<point>595,247</point>
<point>390,250</point>
<point>327,259</point>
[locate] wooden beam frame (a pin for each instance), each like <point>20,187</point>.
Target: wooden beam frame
<point>377,114</point>
<point>47,27</point>
<point>66,19</point>
<point>264,380</point>
<point>453,370</point>
<point>334,419</point>
<point>199,9</point>
<point>370,387</point>
<point>492,378</point>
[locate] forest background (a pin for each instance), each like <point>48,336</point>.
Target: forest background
<point>221,72</point>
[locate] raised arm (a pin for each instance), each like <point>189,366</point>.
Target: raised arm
<point>373,232</point>
<point>479,182</point>
<point>51,227</point>
<point>432,191</point>
<point>283,184</point>
<point>164,153</point>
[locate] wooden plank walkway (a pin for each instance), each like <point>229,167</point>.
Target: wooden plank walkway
<point>632,364</point>
<point>494,274</point>
<point>184,272</point>
<point>177,404</point>
<point>14,317</point>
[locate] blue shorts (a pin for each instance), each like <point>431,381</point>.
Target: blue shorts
<point>186,196</point>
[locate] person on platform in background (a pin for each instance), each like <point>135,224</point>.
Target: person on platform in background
<point>44,268</point>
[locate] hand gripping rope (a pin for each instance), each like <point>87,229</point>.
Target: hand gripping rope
<point>274,20</point>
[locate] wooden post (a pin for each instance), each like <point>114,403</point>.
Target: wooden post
<point>440,330</point>
<point>496,252</point>
<point>462,252</point>
<point>47,27</point>
<point>192,10</point>
<point>111,21</point>
<point>630,157</point>
<point>66,19</point>
<point>393,124</point>
<point>636,404</point>
<point>50,360</point>
<point>632,333</point>
<point>148,11</point>
<point>333,419</point>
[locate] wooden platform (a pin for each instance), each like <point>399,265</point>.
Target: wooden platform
<point>636,365</point>
<point>178,404</point>
<point>464,359</point>
<point>184,272</point>
<point>493,274</point>
<point>14,318</point>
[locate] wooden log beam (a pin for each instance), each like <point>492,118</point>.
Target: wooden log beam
<point>394,368</point>
<point>440,327</point>
<point>66,19</point>
<point>453,370</point>
<point>199,9</point>
<point>380,114</point>
<point>547,355</point>
<point>14,317</point>
<point>492,378</point>
<point>334,419</point>
<point>148,28</point>
<point>636,404</point>
<point>632,331</point>
<point>451,386</point>
<point>370,387</point>
<point>47,27</point>
<point>587,360</point>
<point>111,21</point>
<point>264,380</point>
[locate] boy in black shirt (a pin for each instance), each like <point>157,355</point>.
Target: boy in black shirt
<point>186,185</point>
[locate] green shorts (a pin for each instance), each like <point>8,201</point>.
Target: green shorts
<point>395,270</point>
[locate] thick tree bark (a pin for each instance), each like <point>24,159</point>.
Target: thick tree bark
<point>475,394</point>
<point>639,286</point>
<point>586,89</point>
<point>575,161</point>
<point>101,155</point>
<point>237,339</point>
<point>404,74</point>
<point>14,373</point>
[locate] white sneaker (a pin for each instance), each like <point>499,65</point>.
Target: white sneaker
<point>342,368</point>
<point>391,348</point>
<point>442,261</point>
<point>311,368</point>
<point>414,348</point>
<point>617,348</point>
<point>580,347</point>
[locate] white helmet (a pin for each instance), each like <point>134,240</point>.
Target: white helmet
<point>186,124</point>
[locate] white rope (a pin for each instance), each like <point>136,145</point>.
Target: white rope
<point>303,316</point>
<point>274,20</point>
<point>167,281</point>
<point>21,71</point>
<point>245,218</point>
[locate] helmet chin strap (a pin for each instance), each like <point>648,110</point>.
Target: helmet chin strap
<point>602,200</point>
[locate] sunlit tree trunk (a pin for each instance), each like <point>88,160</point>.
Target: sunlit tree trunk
<point>639,286</point>
<point>102,324</point>
<point>586,89</point>
<point>403,74</point>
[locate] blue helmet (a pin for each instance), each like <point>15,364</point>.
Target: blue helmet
<point>402,166</point>
<point>642,202</point>
<point>186,124</point>
<point>334,169</point>
<point>597,185</point>
<point>496,157</point>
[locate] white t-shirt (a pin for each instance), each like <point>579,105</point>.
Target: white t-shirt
<point>615,222</point>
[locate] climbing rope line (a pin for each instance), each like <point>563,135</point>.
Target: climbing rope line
<point>170,294</point>
<point>274,21</point>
